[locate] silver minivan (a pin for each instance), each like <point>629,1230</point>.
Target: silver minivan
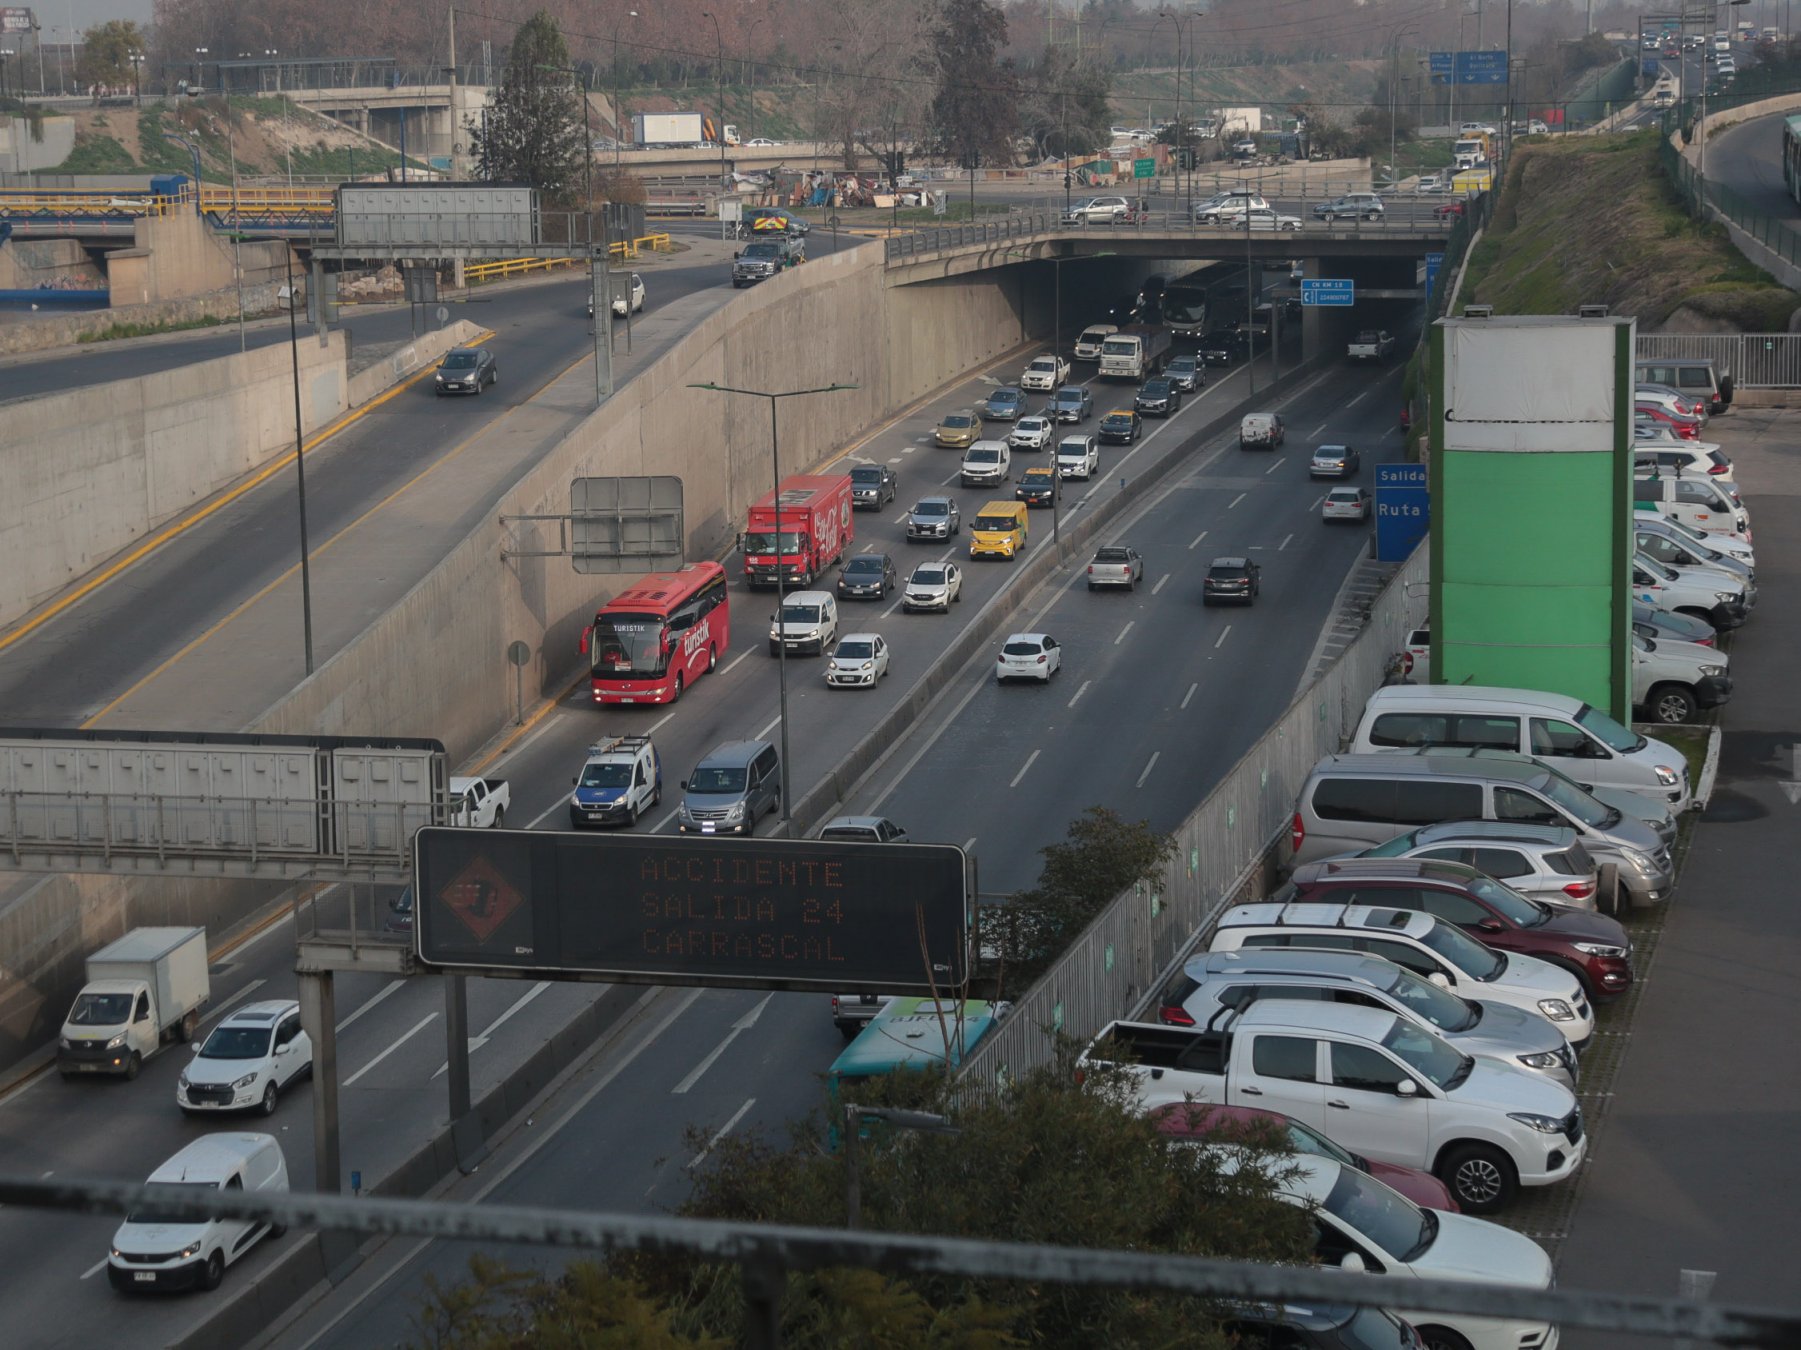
<point>1581,740</point>
<point>1351,802</point>
<point>1697,379</point>
<point>732,787</point>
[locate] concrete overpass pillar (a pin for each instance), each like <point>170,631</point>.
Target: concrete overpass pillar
<point>318,1015</point>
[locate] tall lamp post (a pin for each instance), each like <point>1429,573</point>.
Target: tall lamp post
<point>618,102</point>
<point>137,77</point>
<point>720,113</point>
<point>781,588</point>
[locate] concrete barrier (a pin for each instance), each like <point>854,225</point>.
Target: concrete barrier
<point>391,369</point>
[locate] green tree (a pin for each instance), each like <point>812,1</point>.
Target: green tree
<point>532,132</point>
<point>975,109</point>
<point>106,54</point>
<point>1066,105</point>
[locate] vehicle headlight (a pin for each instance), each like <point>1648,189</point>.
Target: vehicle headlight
<point>1600,949</point>
<point>439,377</point>
<point>192,1249</point>
<point>182,1082</point>
<point>116,1254</point>
<point>734,811</point>
<point>1639,860</point>
<point>1713,670</point>
<point>1557,1009</point>
<point>1544,1060</point>
<point>1667,776</point>
<point>865,666</point>
<point>245,1081</point>
<point>1725,597</point>
<point>1543,1124</point>
<point>116,1042</point>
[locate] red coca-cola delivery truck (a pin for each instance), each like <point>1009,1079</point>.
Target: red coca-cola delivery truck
<point>815,526</point>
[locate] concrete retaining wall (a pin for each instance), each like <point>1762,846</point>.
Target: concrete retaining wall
<point>41,332</point>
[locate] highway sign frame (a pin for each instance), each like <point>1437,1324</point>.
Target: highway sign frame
<point>1328,292</point>
<point>693,910</point>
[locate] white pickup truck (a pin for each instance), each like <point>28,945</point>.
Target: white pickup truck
<point>1377,1084</point>
<point>479,803</point>
<point>1372,344</point>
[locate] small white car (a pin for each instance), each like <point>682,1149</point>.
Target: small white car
<point>247,1061</point>
<point>1028,656</point>
<point>858,661</point>
<point>986,463</point>
<point>636,300</point>
<point>1346,503</point>
<point>1078,457</point>
<point>933,585</point>
<point>1030,433</point>
<point>1045,372</point>
<point>1263,430</point>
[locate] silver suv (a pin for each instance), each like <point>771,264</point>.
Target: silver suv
<point>1545,862</point>
<point>1214,980</point>
<point>934,518</point>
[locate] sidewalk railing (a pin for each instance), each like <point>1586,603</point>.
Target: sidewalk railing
<point>1754,360</point>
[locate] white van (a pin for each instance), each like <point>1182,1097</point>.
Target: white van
<point>149,1254</point>
<point>1566,733</point>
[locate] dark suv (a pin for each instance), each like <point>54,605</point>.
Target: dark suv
<point>1232,581</point>
<point>1591,946</point>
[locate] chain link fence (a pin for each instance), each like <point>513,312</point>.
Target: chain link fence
<point>1221,852</point>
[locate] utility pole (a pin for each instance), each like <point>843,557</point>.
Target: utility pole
<point>456,121</point>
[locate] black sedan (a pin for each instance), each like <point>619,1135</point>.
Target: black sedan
<point>1122,426</point>
<point>1158,398</point>
<point>868,576</point>
<point>466,370</point>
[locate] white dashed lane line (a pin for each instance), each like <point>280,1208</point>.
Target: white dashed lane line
<point>1030,760</point>
<point>1222,637</point>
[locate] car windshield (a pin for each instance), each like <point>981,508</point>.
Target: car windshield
<point>994,522</point>
<point>151,1216</point>
<point>717,780</point>
<point>1506,901</point>
<point>1039,477</point>
<point>1464,952</point>
<point>860,566</point>
<point>983,457</point>
<point>614,775</point>
<point>1119,346</point>
<point>1044,363</point>
<point>800,613</point>
<point>236,1043</point>
<point>1112,555</point>
<point>629,644</point>
<point>866,475</point>
<point>1022,649</point>
<point>1574,801</point>
<point>1609,732</point>
<point>1004,396</point>
<point>932,508</point>
<point>927,576</point>
<point>1070,395</point>
<point>1031,424</point>
<point>1427,1055</point>
<point>100,1010</point>
<point>1393,1223</point>
<point>1342,495</point>
<point>956,421</point>
<point>460,361</point>
<point>763,250</point>
<point>763,541</point>
<point>1118,420</point>
<point>1182,365</point>
<point>1440,1007</point>
<point>855,651</point>
<point>1226,574</point>
<point>861,834</point>
<point>1155,388</point>
<point>1074,449</point>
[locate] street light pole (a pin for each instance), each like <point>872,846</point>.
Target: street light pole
<point>720,114</point>
<point>781,587</point>
<point>618,98</point>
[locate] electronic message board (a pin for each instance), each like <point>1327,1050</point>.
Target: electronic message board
<point>669,909</point>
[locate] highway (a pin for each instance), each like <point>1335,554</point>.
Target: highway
<point>391,1032</point>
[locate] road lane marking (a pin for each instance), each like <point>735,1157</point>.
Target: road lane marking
<point>730,666</point>
<point>1354,402</point>
<point>1197,539</point>
<point>1317,502</point>
<point>96,1268</point>
<point>969,843</point>
<point>771,727</point>
<point>1278,464</point>
<point>1222,637</point>
<point>1122,632</point>
<point>1080,692</point>
<point>385,991</point>
<point>1159,586</point>
<point>724,1130</point>
<point>1155,756</point>
<point>518,747</point>
<point>658,827</point>
<point>1314,434</point>
<point>1284,543</point>
<point>418,1027</point>
<point>180,527</point>
<point>1189,694</point>
<point>1030,760</point>
<point>1240,497</point>
<point>223,1004</point>
<point>478,1041</point>
<point>743,1024</point>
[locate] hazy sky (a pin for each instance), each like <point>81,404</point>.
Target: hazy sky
<point>56,17</point>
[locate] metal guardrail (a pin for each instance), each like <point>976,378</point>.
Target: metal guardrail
<point>1117,960</point>
<point>623,251</point>
<point>1754,360</point>
<point>91,203</point>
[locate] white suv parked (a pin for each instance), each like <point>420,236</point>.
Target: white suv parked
<point>1441,952</point>
<point>247,1061</point>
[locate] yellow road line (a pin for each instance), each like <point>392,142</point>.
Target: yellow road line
<point>292,571</point>
<point>186,523</point>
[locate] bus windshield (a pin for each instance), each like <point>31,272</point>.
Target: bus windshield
<point>629,644</point>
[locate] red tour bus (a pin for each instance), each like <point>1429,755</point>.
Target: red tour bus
<point>658,635</point>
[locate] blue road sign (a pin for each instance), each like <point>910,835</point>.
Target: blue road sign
<point>1328,291</point>
<point>1482,67</point>
<point>1434,261</point>
<point>1439,67</point>
<point>1403,510</point>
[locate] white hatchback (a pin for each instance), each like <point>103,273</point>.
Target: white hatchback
<point>860,659</point>
<point>247,1061</point>
<point>1346,503</point>
<point>1028,656</point>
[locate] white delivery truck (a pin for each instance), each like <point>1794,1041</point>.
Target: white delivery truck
<point>142,991</point>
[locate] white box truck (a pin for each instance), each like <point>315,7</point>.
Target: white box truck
<point>681,129</point>
<point>144,990</point>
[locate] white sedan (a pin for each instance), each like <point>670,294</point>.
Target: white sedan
<point>1045,372</point>
<point>1028,656</point>
<point>1346,503</point>
<point>859,659</point>
<point>1078,457</point>
<point>1030,433</point>
<point>636,300</point>
<point>933,585</point>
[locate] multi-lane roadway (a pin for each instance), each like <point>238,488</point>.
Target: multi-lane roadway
<point>1157,697</point>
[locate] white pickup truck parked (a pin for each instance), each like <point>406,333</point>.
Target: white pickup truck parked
<point>1372,344</point>
<point>479,803</point>
<point>1376,1083</point>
